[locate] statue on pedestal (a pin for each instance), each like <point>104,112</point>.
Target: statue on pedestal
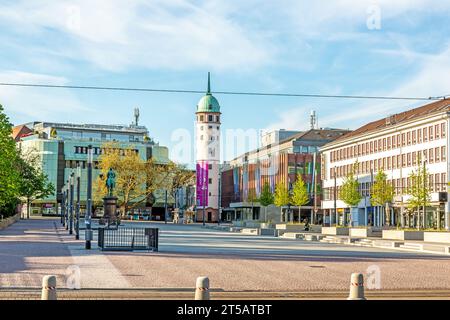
<point>111,182</point>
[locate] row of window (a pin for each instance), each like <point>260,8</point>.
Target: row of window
<point>410,159</point>
<point>211,138</point>
<point>73,164</point>
<point>209,127</point>
<point>435,182</point>
<point>409,138</point>
<point>99,151</point>
<point>201,118</point>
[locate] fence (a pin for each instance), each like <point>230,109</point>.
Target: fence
<point>128,239</point>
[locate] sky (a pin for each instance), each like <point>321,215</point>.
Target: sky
<point>340,47</point>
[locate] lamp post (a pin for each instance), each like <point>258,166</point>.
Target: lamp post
<point>71,187</point>
<point>289,203</point>
<point>88,214</point>
<point>77,223</point>
<point>63,203</point>
<point>66,210</point>
<point>165,207</point>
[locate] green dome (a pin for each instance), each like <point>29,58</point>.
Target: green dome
<point>208,103</point>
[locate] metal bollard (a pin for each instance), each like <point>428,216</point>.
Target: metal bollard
<point>202,288</point>
<point>356,287</point>
<point>48,288</point>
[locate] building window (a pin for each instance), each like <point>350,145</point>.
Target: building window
<point>430,133</point>
<point>210,181</point>
<point>436,154</point>
<point>419,136</point>
<point>431,155</point>
<point>437,131</point>
<point>210,166</point>
<point>210,118</point>
<point>414,137</point>
<point>425,134</point>
<point>443,130</point>
<point>201,118</point>
<point>408,137</point>
<point>217,118</point>
<point>443,155</point>
<point>403,139</point>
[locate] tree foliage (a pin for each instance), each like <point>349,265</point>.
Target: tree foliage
<point>349,190</point>
<point>266,198</point>
<point>419,189</point>
<point>281,195</point>
<point>300,195</point>
<point>382,191</point>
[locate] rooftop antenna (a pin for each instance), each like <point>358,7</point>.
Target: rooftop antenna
<point>209,84</point>
<point>136,116</point>
<point>313,119</point>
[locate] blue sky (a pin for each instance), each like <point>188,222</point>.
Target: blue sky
<point>269,46</point>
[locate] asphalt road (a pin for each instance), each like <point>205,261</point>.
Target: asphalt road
<point>233,262</point>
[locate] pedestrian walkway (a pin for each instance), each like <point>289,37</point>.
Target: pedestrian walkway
<point>30,249</point>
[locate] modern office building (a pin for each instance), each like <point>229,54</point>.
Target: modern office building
<point>62,147</point>
<point>243,178</point>
<point>208,157</point>
<point>398,144</point>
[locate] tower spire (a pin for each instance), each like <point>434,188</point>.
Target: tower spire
<point>209,84</point>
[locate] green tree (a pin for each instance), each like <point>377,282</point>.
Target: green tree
<point>349,190</point>
<point>266,198</point>
<point>34,183</point>
<point>382,193</point>
<point>300,195</point>
<point>9,175</point>
<point>419,192</point>
<point>282,197</point>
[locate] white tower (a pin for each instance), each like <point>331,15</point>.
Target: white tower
<point>208,157</point>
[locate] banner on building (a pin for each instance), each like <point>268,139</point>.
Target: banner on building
<point>202,183</point>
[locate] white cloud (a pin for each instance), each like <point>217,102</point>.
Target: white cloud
<point>26,103</point>
<point>116,35</point>
<point>431,80</point>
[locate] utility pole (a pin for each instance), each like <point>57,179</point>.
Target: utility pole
<point>77,224</point>
<point>88,215</point>
<point>313,211</point>
<point>335,199</point>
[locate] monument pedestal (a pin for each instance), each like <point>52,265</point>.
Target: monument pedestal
<point>110,209</point>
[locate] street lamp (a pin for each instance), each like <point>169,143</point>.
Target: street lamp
<point>63,204</point>
<point>88,214</point>
<point>71,185</point>
<point>66,210</point>
<point>77,224</point>
<point>289,203</point>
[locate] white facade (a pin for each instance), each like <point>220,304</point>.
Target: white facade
<point>397,148</point>
<point>208,153</point>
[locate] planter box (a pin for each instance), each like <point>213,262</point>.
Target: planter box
<point>335,231</point>
<point>441,237</point>
<point>364,232</point>
<point>267,232</point>
<point>402,235</point>
<point>9,221</point>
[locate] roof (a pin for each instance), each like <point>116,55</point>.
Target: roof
<point>20,131</point>
<point>325,135</point>
<point>208,103</point>
<point>402,117</point>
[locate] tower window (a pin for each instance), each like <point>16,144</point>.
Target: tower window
<point>210,118</point>
<point>209,127</point>
<point>217,118</point>
<point>201,118</point>
<point>210,181</point>
<point>201,127</point>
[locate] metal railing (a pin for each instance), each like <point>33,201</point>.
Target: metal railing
<point>128,239</point>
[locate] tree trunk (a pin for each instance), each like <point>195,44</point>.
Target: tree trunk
<point>28,208</point>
